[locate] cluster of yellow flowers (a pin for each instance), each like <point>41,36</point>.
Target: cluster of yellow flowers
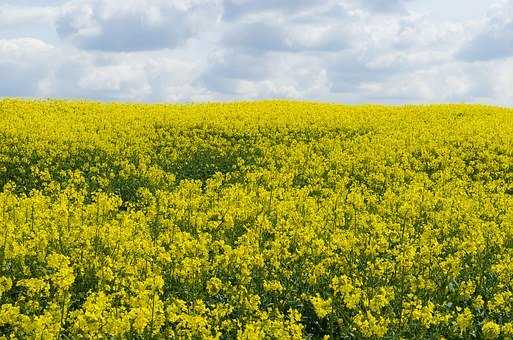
<point>269,219</point>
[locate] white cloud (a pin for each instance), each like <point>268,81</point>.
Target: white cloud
<point>35,3</point>
<point>227,71</point>
<point>127,77</point>
<point>182,50</point>
<point>494,40</point>
<point>22,48</point>
<point>438,84</point>
<point>237,9</point>
<point>268,75</point>
<point>382,6</point>
<point>132,25</point>
<point>23,65</point>
<point>244,9</point>
<point>262,36</point>
<point>32,68</point>
<point>12,16</point>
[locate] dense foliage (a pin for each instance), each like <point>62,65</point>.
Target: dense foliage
<point>251,220</point>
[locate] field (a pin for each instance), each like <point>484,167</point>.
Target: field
<point>269,219</point>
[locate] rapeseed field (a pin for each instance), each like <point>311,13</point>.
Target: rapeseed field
<point>252,220</point>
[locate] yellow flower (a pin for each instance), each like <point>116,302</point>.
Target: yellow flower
<point>322,307</point>
<point>370,325</point>
<point>64,276</point>
<point>141,317</point>
<point>507,329</point>
<point>272,286</point>
<point>214,285</point>
<point>491,330</point>
<point>5,284</point>
<point>464,320</point>
<point>478,302</point>
<point>9,314</point>
<point>211,221</point>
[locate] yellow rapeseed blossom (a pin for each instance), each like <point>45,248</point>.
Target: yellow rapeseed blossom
<point>322,307</point>
<point>464,320</point>
<point>255,220</point>
<point>491,330</point>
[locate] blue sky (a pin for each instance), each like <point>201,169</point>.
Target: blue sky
<point>353,51</point>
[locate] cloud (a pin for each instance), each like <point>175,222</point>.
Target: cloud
<point>141,76</point>
<point>183,50</point>
<point>489,45</point>
<point>33,68</point>
<point>228,71</point>
<point>432,85</point>
<point>257,36</point>
<point>22,48</point>
<point>261,36</point>
<point>243,9</point>
<point>15,16</point>
<point>495,42</point>
<point>495,38</point>
<point>347,71</point>
<point>36,3</point>
<point>128,80</point>
<point>234,75</point>
<point>131,25</point>
<point>383,6</point>
<point>450,82</point>
<point>23,66</point>
<point>236,9</point>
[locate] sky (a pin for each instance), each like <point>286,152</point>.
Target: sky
<point>347,51</point>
